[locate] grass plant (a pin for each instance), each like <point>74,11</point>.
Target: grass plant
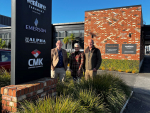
<point>105,93</point>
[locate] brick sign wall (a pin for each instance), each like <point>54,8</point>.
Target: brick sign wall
<point>114,26</point>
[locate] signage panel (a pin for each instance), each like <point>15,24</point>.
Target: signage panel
<point>31,40</point>
<point>128,48</point>
<point>111,48</point>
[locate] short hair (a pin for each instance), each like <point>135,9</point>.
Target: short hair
<point>76,44</point>
<point>60,41</point>
<point>91,40</point>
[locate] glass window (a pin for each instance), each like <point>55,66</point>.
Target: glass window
<point>56,34</point>
<point>76,33</point>
<point>69,46</point>
<point>9,35</point>
<point>82,33</point>
<point>6,35</point>
<point>61,33</point>
<point>5,56</point>
<point>68,33</point>
<point>0,35</point>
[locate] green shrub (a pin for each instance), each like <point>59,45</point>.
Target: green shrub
<point>59,105</point>
<point>4,81</point>
<point>120,64</point>
<point>91,101</point>
<point>111,90</point>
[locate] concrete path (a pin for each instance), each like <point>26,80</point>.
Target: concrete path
<point>140,84</point>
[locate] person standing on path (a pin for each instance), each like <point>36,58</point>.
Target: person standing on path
<point>59,62</point>
<point>92,60</point>
<point>76,63</point>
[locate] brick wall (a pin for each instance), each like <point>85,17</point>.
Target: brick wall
<point>112,26</point>
<point>12,95</point>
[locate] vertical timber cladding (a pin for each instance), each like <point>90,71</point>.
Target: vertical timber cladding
<point>120,26</point>
<point>31,40</point>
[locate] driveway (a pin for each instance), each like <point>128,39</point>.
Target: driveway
<point>140,84</point>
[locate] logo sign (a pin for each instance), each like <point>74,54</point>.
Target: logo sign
<point>35,40</point>
<point>36,6</point>
<point>31,34</point>
<point>111,48</point>
<point>35,28</point>
<point>36,62</point>
<point>128,48</point>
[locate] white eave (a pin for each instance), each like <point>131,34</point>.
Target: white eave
<point>69,23</point>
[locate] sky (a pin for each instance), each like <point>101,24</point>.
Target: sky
<point>64,11</point>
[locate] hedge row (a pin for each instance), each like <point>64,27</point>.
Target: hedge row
<point>120,65</point>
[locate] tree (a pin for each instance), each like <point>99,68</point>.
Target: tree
<point>2,43</point>
<point>66,40</point>
<point>72,38</point>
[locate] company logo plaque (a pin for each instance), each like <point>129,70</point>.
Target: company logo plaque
<point>31,32</point>
<point>128,48</point>
<point>111,48</point>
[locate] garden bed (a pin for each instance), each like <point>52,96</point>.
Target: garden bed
<point>105,93</point>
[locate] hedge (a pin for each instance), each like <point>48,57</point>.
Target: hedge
<point>120,65</point>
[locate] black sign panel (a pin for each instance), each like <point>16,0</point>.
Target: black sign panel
<point>111,48</point>
<point>31,40</point>
<point>128,48</point>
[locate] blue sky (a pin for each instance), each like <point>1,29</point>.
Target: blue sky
<point>73,10</point>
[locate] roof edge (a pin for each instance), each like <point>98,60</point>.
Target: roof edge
<point>113,8</point>
<point>5,27</point>
<point>68,23</point>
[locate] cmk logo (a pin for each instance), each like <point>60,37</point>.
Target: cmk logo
<point>37,62</point>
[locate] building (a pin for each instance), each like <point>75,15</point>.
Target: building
<point>5,30</point>
<point>5,21</point>
<point>62,30</point>
<point>118,32</point>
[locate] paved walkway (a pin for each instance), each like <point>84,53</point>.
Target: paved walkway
<point>140,84</point>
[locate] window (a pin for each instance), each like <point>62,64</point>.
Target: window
<point>61,33</point>
<point>0,35</point>
<point>76,33</point>
<point>68,33</point>
<point>6,35</point>
<point>56,34</point>
<point>82,33</point>
<point>9,35</point>
<point>5,56</point>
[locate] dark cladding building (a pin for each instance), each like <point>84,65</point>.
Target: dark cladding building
<point>62,30</point>
<point>59,31</point>
<point>5,21</point>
